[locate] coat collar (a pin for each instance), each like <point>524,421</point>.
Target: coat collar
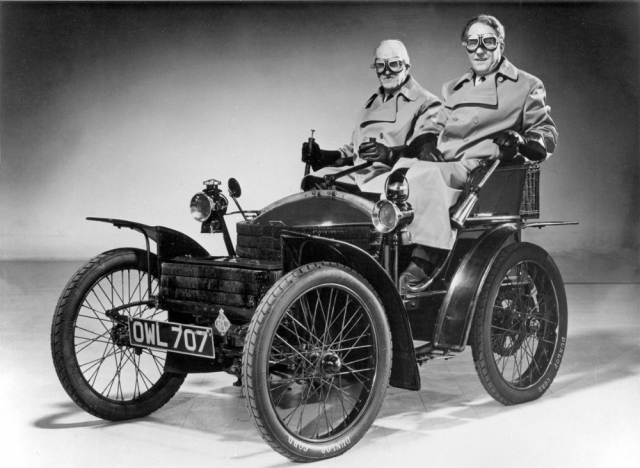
<point>465,93</point>
<point>506,69</point>
<point>386,111</point>
<point>410,90</point>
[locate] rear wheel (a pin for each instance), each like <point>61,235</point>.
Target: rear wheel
<point>520,328</point>
<point>92,356</point>
<point>316,363</point>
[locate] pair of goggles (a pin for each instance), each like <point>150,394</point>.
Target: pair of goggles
<point>394,65</point>
<point>486,41</point>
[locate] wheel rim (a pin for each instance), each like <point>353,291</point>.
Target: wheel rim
<point>524,325</point>
<point>110,366</point>
<point>322,363</point>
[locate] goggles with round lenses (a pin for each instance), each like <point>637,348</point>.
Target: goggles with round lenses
<point>394,65</point>
<point>487,41</point>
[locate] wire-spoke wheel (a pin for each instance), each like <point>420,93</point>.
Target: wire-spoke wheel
<point>520,329</point>
<point>92,355</point>
<point>317,362</point>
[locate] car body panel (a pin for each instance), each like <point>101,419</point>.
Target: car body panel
<point>317,208</point>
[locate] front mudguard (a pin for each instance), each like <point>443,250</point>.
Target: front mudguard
<point>170,243</point>
<point>300,249</point>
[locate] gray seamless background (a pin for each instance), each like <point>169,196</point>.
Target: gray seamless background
<point>122,110</point>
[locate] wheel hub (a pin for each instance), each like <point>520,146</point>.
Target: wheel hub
<point>533,325</point>
<point>120,335</point>
<point>331,363</point>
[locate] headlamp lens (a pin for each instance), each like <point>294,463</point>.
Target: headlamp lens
<point>201,207</point>
<point>387,216</point>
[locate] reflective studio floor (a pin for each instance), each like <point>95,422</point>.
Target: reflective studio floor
<point>589,418</point>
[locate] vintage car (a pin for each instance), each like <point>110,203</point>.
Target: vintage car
<point>306,311</point>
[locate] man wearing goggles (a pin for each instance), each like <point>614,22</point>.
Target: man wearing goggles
<point>385,127</point>
<point>493,111</point>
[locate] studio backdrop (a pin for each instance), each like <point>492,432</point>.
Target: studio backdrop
<point>123,110</point>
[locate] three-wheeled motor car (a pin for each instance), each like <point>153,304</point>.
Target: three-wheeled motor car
<point>306,311</point>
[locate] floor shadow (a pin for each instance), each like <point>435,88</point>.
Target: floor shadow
<point>451,395</point>
<point>71,410</point>
<point>591,359</point>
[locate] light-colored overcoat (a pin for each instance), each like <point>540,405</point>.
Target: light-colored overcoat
<point>470,118</point>
<point>392,123</point>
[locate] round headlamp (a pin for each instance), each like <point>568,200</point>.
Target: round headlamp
<point>387,216</point>
<point>202,207</point>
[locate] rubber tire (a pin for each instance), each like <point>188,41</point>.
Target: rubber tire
<point>483,358</point>
<point>256,356</point>
<point>63,350</point>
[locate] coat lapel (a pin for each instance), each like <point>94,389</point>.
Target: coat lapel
<point>380,111</point>
<point>467,94</point>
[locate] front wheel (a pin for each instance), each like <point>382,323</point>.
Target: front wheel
<point>92,355</point>
<point>520,328</point>
<point>316,362</point>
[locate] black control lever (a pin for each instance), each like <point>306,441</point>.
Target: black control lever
<point>330,179</point>
<point>307,167</point>
<point>234,192</point>
<point>464,210</point>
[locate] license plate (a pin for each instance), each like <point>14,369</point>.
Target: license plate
<point>171,337</point>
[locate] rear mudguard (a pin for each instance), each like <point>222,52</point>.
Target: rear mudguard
<point>170,243</point>
<point>458,307</point>
<point>300,249</point>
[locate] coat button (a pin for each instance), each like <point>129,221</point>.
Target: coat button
<point>381,136</point>
<point>445,139</point>
<point>465,140</point>
<point>475,120</point>
<point>455,119</point>
<point>500,79</point>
